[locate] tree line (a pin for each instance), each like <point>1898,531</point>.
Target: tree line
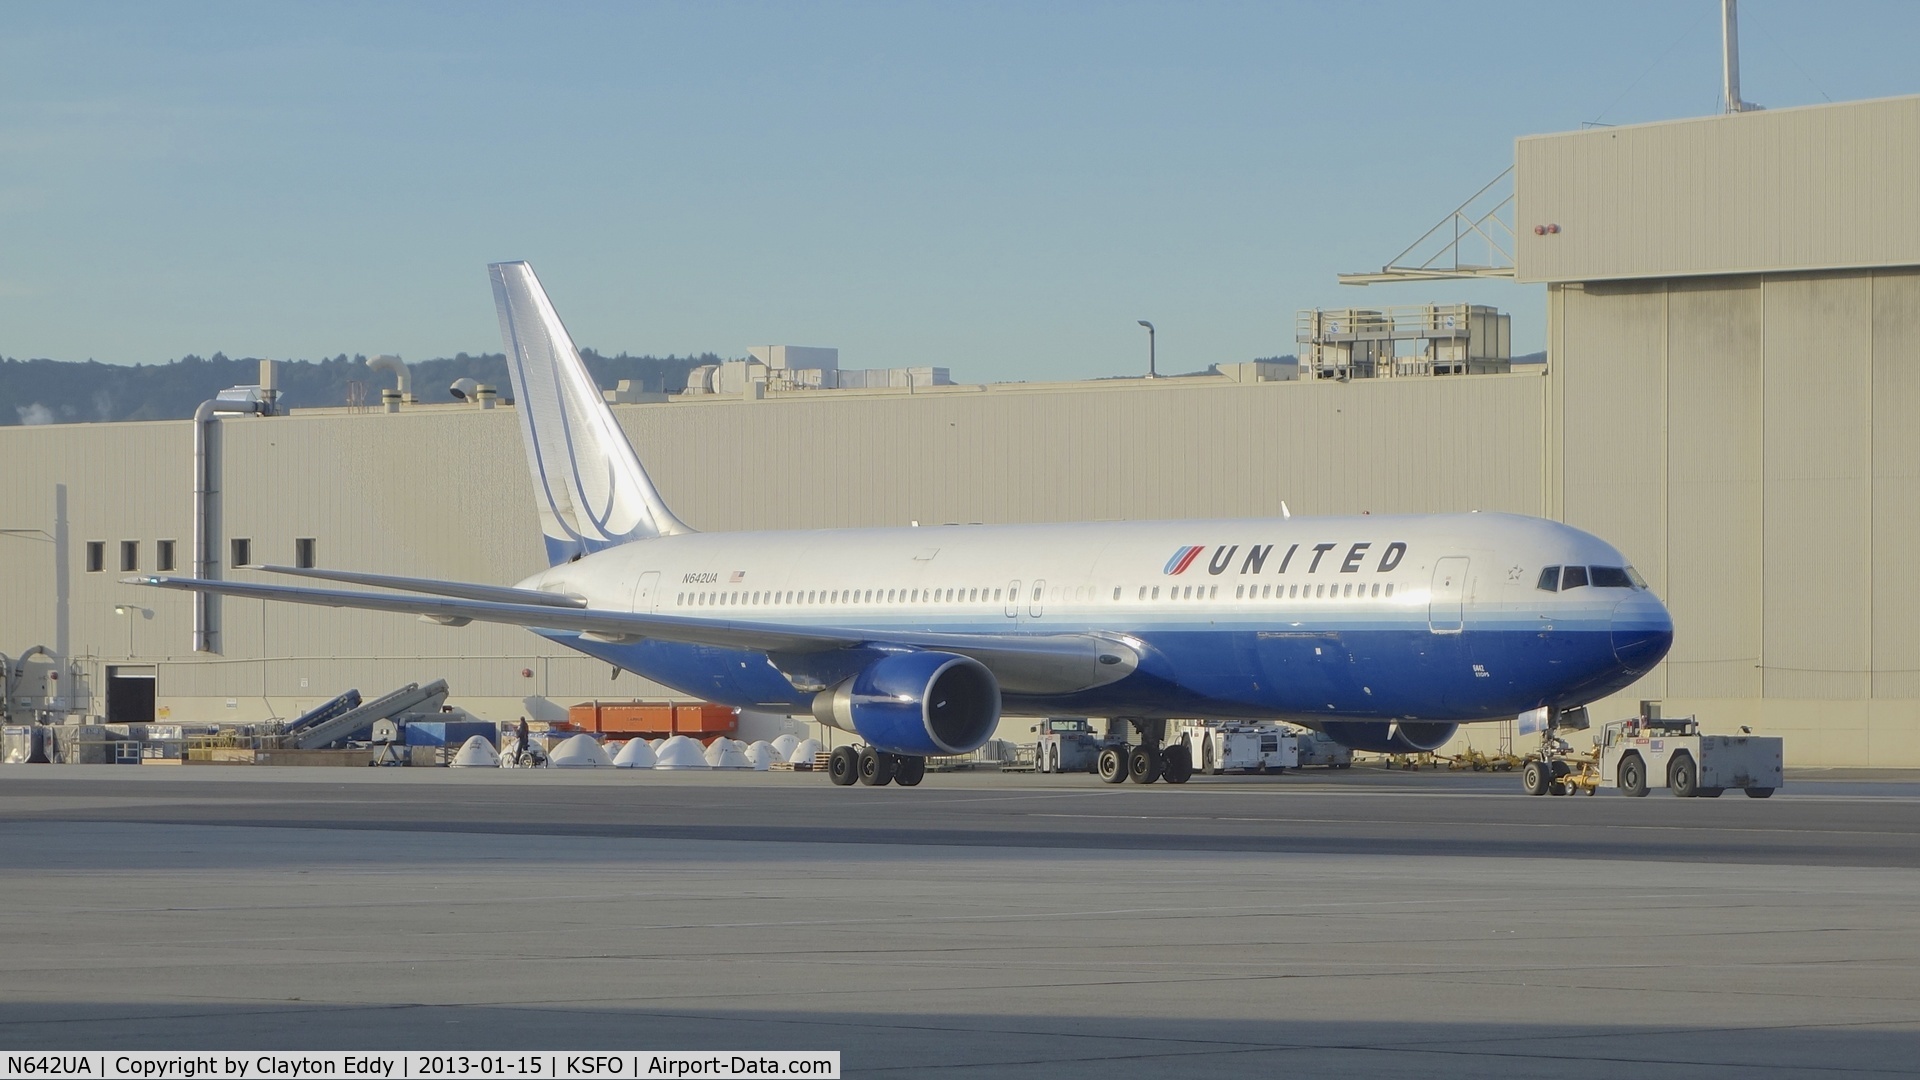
<point>65,392</point>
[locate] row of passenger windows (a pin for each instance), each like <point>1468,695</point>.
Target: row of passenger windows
<point>1082,593</point>
<point>845,596</point>
<point>1562,578</point>
<point>240,550</point>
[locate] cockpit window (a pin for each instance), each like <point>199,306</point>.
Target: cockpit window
<point>1550,579</point>
<point>1573,577</point>
<point>1610,577</point>
<point>1634,576</point>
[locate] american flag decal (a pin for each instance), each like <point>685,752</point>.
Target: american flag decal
<point>737,578</point>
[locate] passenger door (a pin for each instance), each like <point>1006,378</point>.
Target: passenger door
<point>1445,606</point>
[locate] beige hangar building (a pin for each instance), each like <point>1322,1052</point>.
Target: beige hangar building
<point>1729,396</point>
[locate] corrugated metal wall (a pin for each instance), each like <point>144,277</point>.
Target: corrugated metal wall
<point>1715,391</point>
<point>1827,186</point>
<point>1895,495</point>
<point>1748,442</point>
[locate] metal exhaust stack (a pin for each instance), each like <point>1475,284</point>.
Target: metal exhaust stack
<point>1730,57</point>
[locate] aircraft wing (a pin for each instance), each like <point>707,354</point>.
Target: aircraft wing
<point>465,590</point>
<point>1023,663</point>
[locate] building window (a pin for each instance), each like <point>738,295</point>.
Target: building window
<point>129,556</point>
<point>96,556</point>
<point>242,551</point>
<point>303,553</point>
<point>163,554</point>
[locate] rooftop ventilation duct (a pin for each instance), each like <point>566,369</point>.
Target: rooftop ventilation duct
<point>399,369</point>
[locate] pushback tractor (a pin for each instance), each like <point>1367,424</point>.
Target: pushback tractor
<point>1648,751</point>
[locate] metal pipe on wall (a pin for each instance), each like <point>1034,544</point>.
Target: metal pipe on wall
<point>203,418</point>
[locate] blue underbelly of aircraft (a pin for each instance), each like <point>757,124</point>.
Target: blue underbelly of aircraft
<point>1379,674</point>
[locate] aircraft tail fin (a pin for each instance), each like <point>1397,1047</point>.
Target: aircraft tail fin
<point>592,492</point>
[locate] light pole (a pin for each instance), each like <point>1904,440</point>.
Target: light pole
<point>1151,374</point>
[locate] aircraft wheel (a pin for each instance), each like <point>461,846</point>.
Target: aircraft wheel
<point>1176,764</point>
<point>876,767</point>
<point>1534,778</point>
<point>909,770</point>
<point>1113,765</point>
<point>1143,765</point>
<point>1683,776</point>
<point>1633,776</point>
<point>1759,792</point>
<point>843,766</point>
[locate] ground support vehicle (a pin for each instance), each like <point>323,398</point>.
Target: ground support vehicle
<point>1242,747</point>
<point>1480,761</point>
<point>1407,762</point>
<point>1649,750</point>
<point>1069,744</point>
<point>1318,749</point>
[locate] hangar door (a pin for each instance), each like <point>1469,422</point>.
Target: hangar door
<point>130,694</point>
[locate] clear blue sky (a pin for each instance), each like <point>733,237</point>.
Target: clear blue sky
<point>998,188</point>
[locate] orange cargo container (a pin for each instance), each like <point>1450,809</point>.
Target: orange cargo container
<point>623,717</point>
<point>705,720</point>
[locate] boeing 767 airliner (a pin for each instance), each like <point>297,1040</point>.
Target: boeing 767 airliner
<point>1385,632</point>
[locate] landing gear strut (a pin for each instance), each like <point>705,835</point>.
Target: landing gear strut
<point>1148,760</point>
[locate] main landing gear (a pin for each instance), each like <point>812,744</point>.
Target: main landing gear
<point>874,768</point>
<point>1147,761</point>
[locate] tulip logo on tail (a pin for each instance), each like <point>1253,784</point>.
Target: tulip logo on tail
<point>1183,559</point>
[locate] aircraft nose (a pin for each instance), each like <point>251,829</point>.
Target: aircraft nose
<point>1642,633</point>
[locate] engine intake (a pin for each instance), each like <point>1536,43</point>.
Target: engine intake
<point>916,703</point>
<point>1399,737</point>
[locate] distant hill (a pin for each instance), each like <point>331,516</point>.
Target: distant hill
<point>64,392</point>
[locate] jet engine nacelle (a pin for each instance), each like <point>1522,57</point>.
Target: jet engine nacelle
<point>916,703</point>
<point>1399,737</point>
